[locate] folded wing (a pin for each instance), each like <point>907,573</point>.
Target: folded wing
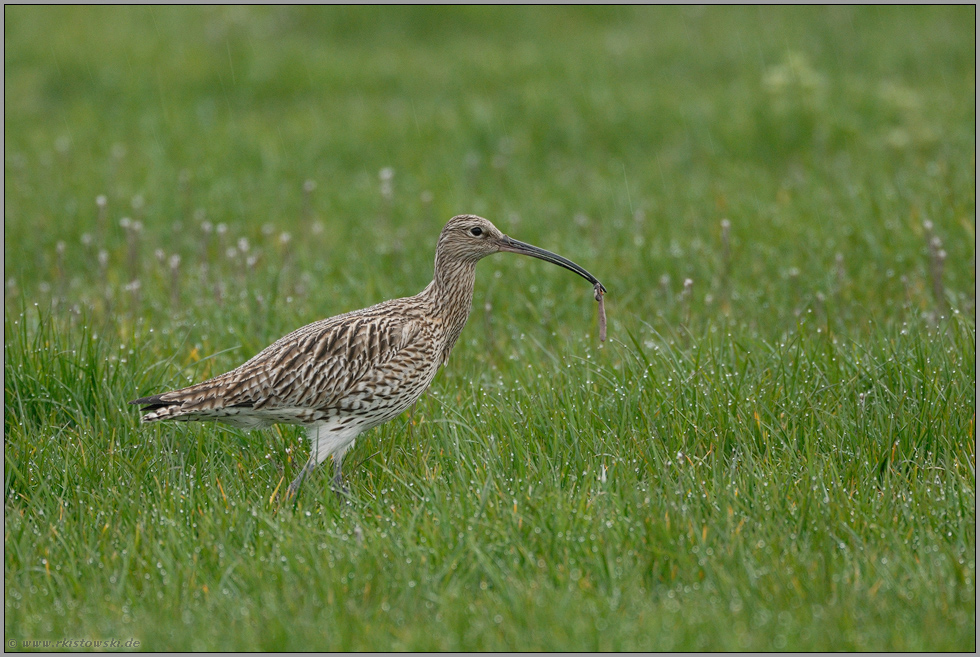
<point>302,377</point>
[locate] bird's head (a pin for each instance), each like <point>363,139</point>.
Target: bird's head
<point>469,238</point>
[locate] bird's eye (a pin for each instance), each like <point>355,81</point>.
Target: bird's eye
<point>476,232</point>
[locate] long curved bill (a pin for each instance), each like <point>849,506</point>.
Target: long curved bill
<point>515,246</point>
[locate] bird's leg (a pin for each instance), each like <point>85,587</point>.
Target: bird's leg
<point>298,481</point>
<point>338,480</point>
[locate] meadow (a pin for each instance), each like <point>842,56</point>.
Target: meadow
<point>774,450</point>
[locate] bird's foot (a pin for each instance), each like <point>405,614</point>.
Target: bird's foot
<point>293,490</point>
<point>338,486</point>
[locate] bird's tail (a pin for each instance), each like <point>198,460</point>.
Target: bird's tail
<point>203,402</point>
<point>156,407</point>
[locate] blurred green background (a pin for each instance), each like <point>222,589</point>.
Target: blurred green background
<point>781,202</point>
<point>618,136</point>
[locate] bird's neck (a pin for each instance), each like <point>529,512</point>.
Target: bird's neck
<point>451,295</point>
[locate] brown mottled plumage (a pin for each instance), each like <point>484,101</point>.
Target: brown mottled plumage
<point>344,375</point>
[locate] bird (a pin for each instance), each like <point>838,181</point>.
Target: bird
<point>341,376</point>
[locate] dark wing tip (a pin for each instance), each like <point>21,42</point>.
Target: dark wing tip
<point>152,399</point>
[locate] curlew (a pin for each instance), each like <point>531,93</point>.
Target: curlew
<point>344,375</point>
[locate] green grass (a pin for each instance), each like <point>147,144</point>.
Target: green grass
<point>780,455</point>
